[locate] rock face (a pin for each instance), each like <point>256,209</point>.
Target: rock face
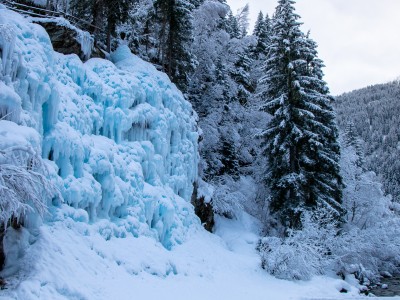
<point>203,209</point>
<point>65,37</point>
<point>67,40</point>
<point>205,212</point>
<point>62,38</point>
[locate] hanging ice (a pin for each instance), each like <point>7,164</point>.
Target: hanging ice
<point>120,138</point>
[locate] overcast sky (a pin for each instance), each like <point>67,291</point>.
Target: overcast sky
<point>359,40</point>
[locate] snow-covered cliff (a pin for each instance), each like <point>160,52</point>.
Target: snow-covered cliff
<point>118,138</point>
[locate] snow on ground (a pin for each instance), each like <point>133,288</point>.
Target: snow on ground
<point>70,260</point>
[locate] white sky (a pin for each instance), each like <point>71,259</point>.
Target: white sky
<point>359,40</point>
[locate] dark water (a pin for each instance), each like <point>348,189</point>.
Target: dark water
<point>393,288</point>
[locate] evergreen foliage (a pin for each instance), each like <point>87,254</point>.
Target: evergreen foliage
<point>102,14</point>
<point>262,31</point>
<point>351,139</point>
<point>232,27</point>
<point>259,25</point>
<point>301,141</point>
<point>241,75</point>
<point>175,37</point>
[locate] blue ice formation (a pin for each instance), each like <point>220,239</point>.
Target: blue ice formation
<point>119,138</point>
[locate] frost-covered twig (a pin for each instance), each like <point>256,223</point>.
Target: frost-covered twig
<point>23,184</point>
<point>5,116</point>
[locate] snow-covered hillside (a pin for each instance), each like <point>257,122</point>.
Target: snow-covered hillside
<point>119,142</point>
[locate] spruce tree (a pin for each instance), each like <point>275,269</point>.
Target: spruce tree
<point>258,26</point>
<point>175,38</point>
<point>116,12</point>
<point>241,75</point>
<point>100,12</point>
<point>268,24</point>
<point>232,27</point>
<point>301,140</point>
<point>261,32</point>
<point>351,139</point>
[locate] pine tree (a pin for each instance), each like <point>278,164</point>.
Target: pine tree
<point>261,32</point>
<point>175,37</point>
<point>241,75</point>
<point>325,180</point>
<point>100,12</point>
<point>259,25</point>
<point>229,157</point>
<point>351,139</point>
<point>301,141</point>
<point>232,27</point>
<point>116,12</point>
<point>268,24</point>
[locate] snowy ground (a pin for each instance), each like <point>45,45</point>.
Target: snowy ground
<point>70,260</point>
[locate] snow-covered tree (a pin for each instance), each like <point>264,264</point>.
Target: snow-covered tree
<point>241,75</point>
<point>303,253</point>
<point>262,30</point>
<point>301,141</point>
<point>24,187</point>
<point>102,14</point>
<point>242,17</point>
<point>351,139</point>
<point>221,91</point>
<point>232,26</point>
<point>175,37</point>
<point>368,243</point>
<point>259,25</point>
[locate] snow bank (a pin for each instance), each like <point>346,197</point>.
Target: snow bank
<point>119,138</point>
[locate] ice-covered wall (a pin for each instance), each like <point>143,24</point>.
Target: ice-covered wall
<point>120,139</point>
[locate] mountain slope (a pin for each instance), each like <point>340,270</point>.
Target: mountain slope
<point>375,113</point>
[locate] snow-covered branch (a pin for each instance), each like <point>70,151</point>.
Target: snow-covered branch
<point>23,184</point>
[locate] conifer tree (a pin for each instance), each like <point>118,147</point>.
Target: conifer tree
<point>241,75</point>
<point>351,139</point>
<point>100,12</point>
<point>232,27</point>
<point>301,141</point>
<point>116,12</point>
<point>175,38</point>
<point>258,26</point>
<point>268,24</point>
<point>261,32</point>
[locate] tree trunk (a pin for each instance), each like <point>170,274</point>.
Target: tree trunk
<point>2,254</point>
